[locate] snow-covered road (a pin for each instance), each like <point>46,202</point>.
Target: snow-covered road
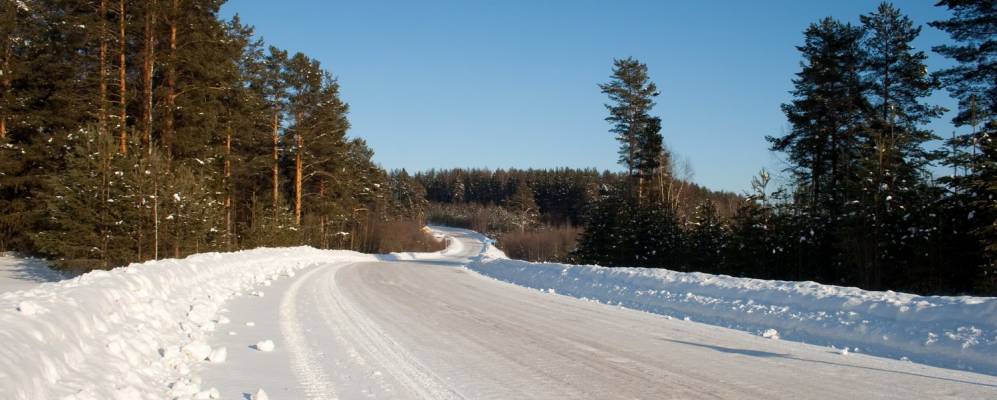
<point>423,327</point>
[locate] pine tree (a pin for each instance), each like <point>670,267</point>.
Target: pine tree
<point>973,27</point>
<point>631,95</point>
<point>894,181</point>
<point>271,83</point>
<point>827,116</point>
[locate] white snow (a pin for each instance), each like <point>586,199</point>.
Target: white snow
<point>133,332</point>
<point>197,351</point>
<point>218,355</point>
<point>145,331</point>
<point>259,395</point>
<point>21,273</point>
<point>947,331</point>
<point>264,346</point>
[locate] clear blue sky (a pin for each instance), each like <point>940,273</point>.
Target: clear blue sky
<point>438,84</point>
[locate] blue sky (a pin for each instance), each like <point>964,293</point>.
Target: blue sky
<point>498,84</point>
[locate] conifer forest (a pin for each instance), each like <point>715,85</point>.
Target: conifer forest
<point>141,130</point>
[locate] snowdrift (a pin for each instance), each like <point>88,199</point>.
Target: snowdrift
<point>133,332</point>
<point>951,332</point>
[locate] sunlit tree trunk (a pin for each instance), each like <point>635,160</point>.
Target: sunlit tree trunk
<point>8,44</point>
<point>300,144</point>
<point>148,63</point>
<point>122,85</point>
<point>276,161</point>
<point>171,80</point>
<point>228,188</point>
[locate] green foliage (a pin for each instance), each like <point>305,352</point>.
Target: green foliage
<point>203,179</point>
<point>621,232</point>
<point>861,208</point>
<point>708,236</point>
<point>973,26</point>
<point>88,204</point>
<point>631,95</point>
<point>826,115</point>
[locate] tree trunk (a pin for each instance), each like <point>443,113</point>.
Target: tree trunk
<point>122,86</point>
<point>177,230</point>
<point>276,139</point>
<point>171,81</point>
<point>300,143</point>
<point>101,73</point>
<point>155,214</point>
<point>5,80</point>
<point>147,69</point>
<point>321,225</point>
<point>228,189</point>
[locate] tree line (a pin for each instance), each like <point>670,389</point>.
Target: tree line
<point>560,195</point>
<point>137,130</point>
<point>863,208</point>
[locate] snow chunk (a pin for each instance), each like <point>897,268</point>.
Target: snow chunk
<point>209,394</point>
<point>197,351</point>
<point>28,308</point>
<point>771,334</point>
<point>218,355</point>
<point>264,346</point>
<point>259,395</point>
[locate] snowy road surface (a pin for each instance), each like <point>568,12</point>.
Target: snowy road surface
<point>429,329</point>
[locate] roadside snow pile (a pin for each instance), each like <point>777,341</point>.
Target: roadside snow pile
<point>952,332</point>
<point>133,332</point>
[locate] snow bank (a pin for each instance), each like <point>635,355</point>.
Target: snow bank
<point>952,332</point>
<point>133,332</point>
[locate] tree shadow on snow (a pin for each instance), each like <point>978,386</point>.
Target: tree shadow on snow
<point>729,350</point>
<point>766,354</point>
<point>438,263</point>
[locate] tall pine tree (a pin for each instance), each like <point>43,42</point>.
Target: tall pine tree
<point>973,81</point>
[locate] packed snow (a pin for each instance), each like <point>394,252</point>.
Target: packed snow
<point>948,331</point>
<point>163,330</point>
<point>133,332</point>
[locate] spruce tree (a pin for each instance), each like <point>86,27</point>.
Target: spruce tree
<point>606,240</point>
<point>707,237</point>
<point>973,27</point>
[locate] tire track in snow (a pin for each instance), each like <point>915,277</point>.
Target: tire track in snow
<point>317,383</point>
<point>362,332</point>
